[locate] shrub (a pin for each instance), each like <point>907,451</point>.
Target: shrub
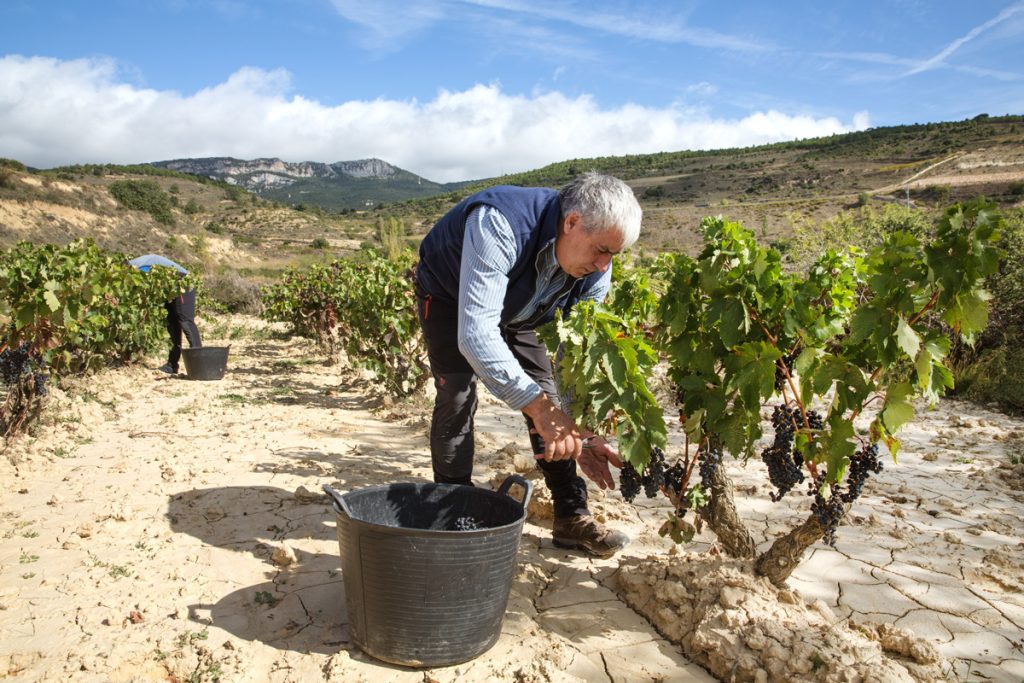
<point>235,193</point>
<point>320,243</point>
<point>993,371</point>
<point>235,293</point>
<point>865,227</point>
<point>144,195</point>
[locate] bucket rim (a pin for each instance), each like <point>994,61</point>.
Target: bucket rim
<point>343,513</point>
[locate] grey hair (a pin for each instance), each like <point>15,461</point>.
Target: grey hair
<point>604,203</point>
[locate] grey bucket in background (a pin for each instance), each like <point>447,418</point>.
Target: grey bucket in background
<point>205,362</point>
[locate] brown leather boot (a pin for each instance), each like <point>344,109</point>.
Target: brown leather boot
<point>583,532</point>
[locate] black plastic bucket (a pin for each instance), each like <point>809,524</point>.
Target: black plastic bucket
<point>205,362</point>
<point>419,591</point>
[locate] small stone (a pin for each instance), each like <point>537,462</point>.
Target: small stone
<point>730,597</point>
<point>214,513</point>
<point>930,457</point>
<point>121,512</point>
<point>283,556</point>
<point>823,609</point>
<point>524,462</point>
<point>55,500</point>
<point>84,530</point>
<point>304,495</point>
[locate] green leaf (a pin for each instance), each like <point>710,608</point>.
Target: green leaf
<point>907,338</point>
<point>897,410</point>
<point>735,323</point>
<point>838,446</point>
<point>51,300</point>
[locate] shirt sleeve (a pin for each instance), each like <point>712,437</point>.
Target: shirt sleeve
<point>488,254</point>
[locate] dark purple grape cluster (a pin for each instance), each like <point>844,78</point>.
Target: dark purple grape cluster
<point>19,365</point>
<point>629,482</point>
<point>14,363</point>
<point>41,381</point>
<point>787,361</point>
<point>863,463</point>
<point>708,459</point>
<point>674,478</point>
<point>466,524</point>
<point>784,465</point>
<point>828,511</point>
<point>654,474</point>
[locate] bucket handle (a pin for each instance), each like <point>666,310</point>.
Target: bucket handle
<point>339,500</point>
<point>516,479</point>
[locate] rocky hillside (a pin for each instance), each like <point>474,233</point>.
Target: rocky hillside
<point>361,184</point>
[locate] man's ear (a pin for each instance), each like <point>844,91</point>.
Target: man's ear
<point>572,221</point>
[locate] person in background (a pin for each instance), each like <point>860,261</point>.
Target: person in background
<point>493,269</point>
<point>181,312</point>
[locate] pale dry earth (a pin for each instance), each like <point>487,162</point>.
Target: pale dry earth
<point>165,529</point>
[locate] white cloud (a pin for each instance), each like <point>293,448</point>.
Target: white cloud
<point>62,112</point>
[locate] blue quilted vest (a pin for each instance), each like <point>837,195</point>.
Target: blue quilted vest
<point>533,214</point>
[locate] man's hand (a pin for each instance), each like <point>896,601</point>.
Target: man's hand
<point>562,439</point>
<point>594,461</point>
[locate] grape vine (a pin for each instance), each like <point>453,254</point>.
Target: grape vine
<point>71,309</point>
<point>738,333</point>
<point>363,306</point>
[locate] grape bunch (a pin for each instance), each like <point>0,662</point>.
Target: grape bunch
<point>784,465</point>
<point>14,363</point>
<point>674,478</point>
<point>629,482</point>
<point>19,367</point>
<point>863,463</point>
<point>828,511</point>
<point>466,524</point>
<point>654,474</point>
<point>709,459</point>
<point>786,360</point>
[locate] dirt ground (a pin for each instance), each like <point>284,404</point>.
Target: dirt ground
<point>157,528</point>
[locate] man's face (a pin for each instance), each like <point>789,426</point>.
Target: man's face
<point>581,253</point>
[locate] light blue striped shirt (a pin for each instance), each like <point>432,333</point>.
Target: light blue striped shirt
<point>488,254</point>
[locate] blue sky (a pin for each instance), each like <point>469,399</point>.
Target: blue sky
<point>455,90</point>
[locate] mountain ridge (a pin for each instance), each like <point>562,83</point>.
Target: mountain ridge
<point>337,186</point>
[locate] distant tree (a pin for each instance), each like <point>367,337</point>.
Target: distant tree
<point>391,233</point>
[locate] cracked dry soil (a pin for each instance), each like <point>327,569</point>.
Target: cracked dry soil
<point>160,529</point>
